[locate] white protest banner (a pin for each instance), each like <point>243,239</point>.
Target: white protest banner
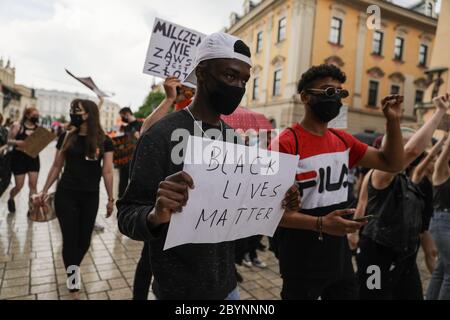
<point>341,121</point>
<point>238,192</point>
<point>172,50</point>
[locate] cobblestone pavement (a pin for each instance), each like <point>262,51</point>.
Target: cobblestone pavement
<point>31,265</point>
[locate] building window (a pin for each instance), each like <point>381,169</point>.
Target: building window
<point>423,53</point>
<point>377,46</point>
<point>419,96</point>
<point>398,51</point>
<point>281,30</point>
<point>373,93</point>
<point>277,83</point>
<point>255,95</point>
<point>429,11</point>
<point>259,42</point>
<point>395,89</point>
<point>335,31</point>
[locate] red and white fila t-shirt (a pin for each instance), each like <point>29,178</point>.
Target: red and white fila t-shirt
<point>323,166</point>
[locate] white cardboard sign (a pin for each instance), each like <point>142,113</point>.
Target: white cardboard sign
<point>172,50</point>
<point>238,192</point>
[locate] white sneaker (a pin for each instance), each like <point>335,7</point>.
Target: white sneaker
<point>247,262</point>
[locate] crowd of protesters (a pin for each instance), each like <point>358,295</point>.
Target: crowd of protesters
<point>377,204</point>
<point>311,243</point>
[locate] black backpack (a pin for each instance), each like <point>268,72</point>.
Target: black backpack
<point>399,214</point>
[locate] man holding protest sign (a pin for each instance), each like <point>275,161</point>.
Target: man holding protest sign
<point>159,188</point>
<point>178,95</point>
<point>312,248</point>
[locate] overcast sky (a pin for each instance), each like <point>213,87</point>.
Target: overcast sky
<point>106,39</point>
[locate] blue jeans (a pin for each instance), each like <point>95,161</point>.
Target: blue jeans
<point>234,295</point>
<point>439,288</point>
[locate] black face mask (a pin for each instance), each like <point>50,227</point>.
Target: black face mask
<point>76,120</point>
<point>225,98</point>
<point>325,108</point>
<point>34,120</point>
<point>125,119</point>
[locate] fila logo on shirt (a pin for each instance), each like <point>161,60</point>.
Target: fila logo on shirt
<point>322,179</point>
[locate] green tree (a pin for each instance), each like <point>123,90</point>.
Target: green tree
<point>151,102</point>
<point>62,119</point>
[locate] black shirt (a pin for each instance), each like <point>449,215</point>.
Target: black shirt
<point>189,271</point>
<point>133,127</point>
<point>130,134</point>
<point>441,197</point>
<point>426,187</point>
<point>79,173</point>
<point>25,132</point>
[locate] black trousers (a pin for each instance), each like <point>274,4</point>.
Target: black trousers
<point>76,212</point>
<point>143,275</point>
<point>244,246</point>
<point>124,177</point>
<point>253,245</point>
<point>341,287</point>
<point>399,278</point>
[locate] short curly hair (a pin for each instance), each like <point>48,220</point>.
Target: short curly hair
<point>319,72</point>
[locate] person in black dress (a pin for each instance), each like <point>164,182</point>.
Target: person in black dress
<point>21,163</point>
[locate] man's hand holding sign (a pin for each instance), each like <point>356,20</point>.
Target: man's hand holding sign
<point>172,196</point>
